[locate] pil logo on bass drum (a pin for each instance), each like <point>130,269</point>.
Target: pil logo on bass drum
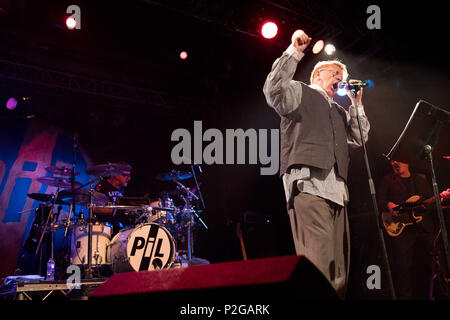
<point>147,247</point>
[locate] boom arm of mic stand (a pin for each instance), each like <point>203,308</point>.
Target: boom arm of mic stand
<point>373,195</point>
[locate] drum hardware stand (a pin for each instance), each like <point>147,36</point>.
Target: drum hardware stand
<point>198,186</point>
<point>190,195</point>
<point>189,210</point>
<point>50,217</point>
<point>91,211</point>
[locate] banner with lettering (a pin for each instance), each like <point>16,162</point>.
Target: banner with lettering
<point>27,148</point>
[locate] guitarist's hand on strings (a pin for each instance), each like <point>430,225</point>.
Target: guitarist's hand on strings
<point>391,207</point>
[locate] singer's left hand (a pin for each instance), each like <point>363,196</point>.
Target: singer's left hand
<point>358,94</point>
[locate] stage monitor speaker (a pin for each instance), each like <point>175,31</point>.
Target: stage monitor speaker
<point>286,277</point>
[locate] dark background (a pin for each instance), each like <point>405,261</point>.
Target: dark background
<point>119,83</point>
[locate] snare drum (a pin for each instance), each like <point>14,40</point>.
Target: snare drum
<point>149,246</point>
<point>101,236</point>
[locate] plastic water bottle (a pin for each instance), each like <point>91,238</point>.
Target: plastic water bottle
<point>50,270</point>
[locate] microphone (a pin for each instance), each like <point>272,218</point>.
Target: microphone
<point>354,85</point>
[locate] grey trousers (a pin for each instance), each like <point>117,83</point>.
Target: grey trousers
<point>321,233</point>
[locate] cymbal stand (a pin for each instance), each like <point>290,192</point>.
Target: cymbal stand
<point>91,209</point>
<point>200,194</point>
<point>50,217</point>
<point>197,185</point>
<point>191,194</point>
<point>187,209</point>
<point>74,156</point>
<point>91,214</point>
<point>189,224</point>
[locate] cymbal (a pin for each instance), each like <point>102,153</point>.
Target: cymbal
<point>173,175</point>
<point>61,171</point>
<point>109,169</point>
<point>58,182</point>
<point>81,197</point>
<point>46,198</point>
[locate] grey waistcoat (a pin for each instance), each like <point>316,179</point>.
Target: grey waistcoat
<point>315,135</point>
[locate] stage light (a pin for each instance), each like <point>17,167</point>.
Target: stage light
<point>71,23</point>
<point>11,104</point>
<point>183,55</point>
<point>269,30</point>
<point>330,49</point>
<point>318,46</point>
<point>342,92</point>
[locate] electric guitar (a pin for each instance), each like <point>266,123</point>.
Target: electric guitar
<point>395,224</point>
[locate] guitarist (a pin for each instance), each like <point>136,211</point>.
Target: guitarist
<point>410,252</point>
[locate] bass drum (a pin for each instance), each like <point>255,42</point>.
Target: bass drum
<point>149,246</point>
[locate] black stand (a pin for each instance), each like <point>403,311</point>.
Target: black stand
<point>374,199</point>
<point>426,133</point>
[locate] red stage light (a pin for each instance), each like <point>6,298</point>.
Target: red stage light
<point>71,23</point>
<point>269,30</point>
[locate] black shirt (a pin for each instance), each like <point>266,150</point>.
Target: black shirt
<point>108,189</point>
<point>397,190</point>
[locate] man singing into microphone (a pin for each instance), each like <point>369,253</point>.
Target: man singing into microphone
<point>316,134</point>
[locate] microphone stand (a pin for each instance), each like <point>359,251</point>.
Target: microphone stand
<point>353,93</point>
<point>428,151</point>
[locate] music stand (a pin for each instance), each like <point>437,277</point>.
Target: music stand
<point>426,135</point>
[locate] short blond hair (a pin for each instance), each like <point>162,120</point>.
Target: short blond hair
<point>323,64</point>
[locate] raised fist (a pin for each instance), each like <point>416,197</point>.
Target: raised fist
<point>300,40</point>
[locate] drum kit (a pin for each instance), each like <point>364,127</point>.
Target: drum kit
<point>152,234</point>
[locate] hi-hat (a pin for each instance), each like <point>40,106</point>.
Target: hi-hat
<point>82,197</point>
<point>61,171</point>
<point>109,169</point>
<point>58,182</point>
<point>46,198</point>
<point>173,175</point>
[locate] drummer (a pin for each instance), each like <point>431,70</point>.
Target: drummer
<point>113,187</point>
